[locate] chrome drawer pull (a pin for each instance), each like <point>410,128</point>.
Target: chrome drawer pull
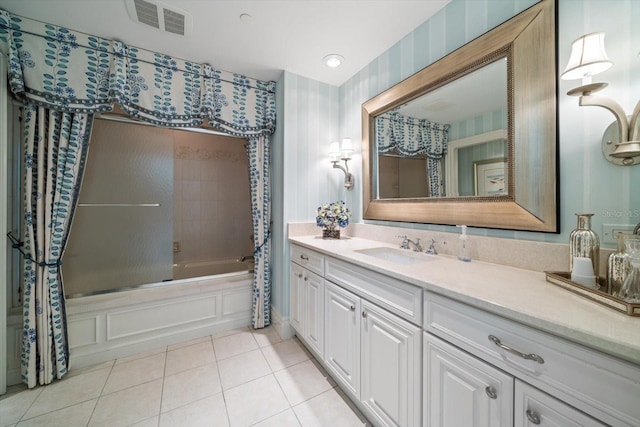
<point>533,417</point>
<point>491,392</point>
<point>304,257</point>
<point>530,356</point>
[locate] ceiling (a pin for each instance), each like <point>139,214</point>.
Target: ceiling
<point>291,35</point>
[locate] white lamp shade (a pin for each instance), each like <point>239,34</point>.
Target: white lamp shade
<point>334,150</point>
<point>588,57</point>
<point>347,146</point>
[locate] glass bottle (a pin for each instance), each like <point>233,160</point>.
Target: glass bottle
<point>630,290</point>
<point>618,266</point>
<point>584,242</point>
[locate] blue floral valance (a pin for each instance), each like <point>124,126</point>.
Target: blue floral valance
<point>71,71</point>
<point>409,136</point>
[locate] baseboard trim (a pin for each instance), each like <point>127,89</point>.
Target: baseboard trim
<point>281,324</point>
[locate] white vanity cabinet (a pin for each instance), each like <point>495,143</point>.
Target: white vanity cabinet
<point>375,355</point>
<point>342,337</point>
<point>373,341</point>
<point>535,408</point>
<point>556,380</point>
<point>461,390</point>
<point>438,355</point>
<point>307,297</point>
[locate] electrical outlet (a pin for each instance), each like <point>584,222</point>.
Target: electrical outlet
<point>610,232</point>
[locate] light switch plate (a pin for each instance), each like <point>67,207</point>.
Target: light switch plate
<point>610,232</point>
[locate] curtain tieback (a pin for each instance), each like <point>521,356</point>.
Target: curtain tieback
<point>266,239</point>
<point>17,244</point>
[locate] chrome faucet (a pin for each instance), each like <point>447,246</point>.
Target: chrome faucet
<point>407,243</point>
<point>431,250</point>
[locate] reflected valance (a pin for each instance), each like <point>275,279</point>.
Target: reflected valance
<point>409,136</point>
<point>71,71</point>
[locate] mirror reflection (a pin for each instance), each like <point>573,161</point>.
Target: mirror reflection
<point>450,142</point>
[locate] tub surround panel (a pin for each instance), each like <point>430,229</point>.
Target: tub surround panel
<point>520,295</point>
<point>133,321</point>
<point>104,327</point>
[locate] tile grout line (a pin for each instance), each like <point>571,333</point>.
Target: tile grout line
<point>224,397</point>
<point>164,376</point>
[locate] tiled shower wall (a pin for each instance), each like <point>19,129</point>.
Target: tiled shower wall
<point>210,176</point>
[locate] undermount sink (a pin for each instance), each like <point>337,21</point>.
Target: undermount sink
<point>399,256</point>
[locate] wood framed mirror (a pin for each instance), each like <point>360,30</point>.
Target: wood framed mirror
<point>523,195</point>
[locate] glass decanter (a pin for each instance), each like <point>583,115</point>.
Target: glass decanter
<point>630,290</point>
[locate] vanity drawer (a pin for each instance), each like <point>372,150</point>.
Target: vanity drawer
<point>401,298</point>
<point>602,386</point>
<point>311,260</point>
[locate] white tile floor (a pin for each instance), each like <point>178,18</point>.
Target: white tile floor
<point>240,378</point>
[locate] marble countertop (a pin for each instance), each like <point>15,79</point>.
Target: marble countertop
<point>517,294</point>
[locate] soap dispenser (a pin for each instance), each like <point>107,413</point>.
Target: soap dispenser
<point>463,249</point>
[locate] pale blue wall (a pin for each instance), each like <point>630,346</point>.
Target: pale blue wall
<point>588,183</point>
<point>315,113</point>
<point>308,120</point>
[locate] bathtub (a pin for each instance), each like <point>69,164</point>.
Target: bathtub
<point>212,268</point>
<point>111,325</point>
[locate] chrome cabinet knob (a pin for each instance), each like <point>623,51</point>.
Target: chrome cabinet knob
<point>364,314</point>
<point>352,308</point>
<point>491,392</point>
<point>533,417</point>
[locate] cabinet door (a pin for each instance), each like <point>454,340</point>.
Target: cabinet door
<point>297,296</point>
<point>460,390</point>
<point>390,367</point>
<point>314,312</point>
<point>536,408</point>
<point>342,337</point>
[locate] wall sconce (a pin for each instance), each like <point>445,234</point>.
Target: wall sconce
<point>337,153</point>
<point>588,58</point>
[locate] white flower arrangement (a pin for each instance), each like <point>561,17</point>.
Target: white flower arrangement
<point>331,215</point>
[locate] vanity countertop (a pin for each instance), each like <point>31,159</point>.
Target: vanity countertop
<point>517,294</point>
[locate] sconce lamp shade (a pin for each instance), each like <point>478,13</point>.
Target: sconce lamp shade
<point>334,151</point>
<point>347,148</point>
<point>588,57</point>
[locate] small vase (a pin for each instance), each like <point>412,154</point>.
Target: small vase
<point>618,266</point>
<point>331,233</point>
<point>584,242</point>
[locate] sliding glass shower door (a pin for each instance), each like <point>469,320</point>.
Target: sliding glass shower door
<point>122,231</point>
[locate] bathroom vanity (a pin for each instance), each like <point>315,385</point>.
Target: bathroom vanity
<point>421,340</point>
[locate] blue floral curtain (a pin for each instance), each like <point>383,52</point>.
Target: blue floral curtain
<point>55,150</point>
<point>258,151</point>
<point>409,136</point>
<point>67,71</point>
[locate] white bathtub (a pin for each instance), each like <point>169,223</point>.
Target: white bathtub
<point>105,326</point>
<point>212,268</point>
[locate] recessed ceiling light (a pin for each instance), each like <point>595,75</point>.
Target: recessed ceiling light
<point>334,60</point>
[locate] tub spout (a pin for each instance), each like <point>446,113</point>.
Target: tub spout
<point>245,257</point>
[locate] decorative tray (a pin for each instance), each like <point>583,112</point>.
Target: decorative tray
<point>563,279</point>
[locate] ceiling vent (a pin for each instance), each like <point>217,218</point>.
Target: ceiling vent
<point>160,16</point>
